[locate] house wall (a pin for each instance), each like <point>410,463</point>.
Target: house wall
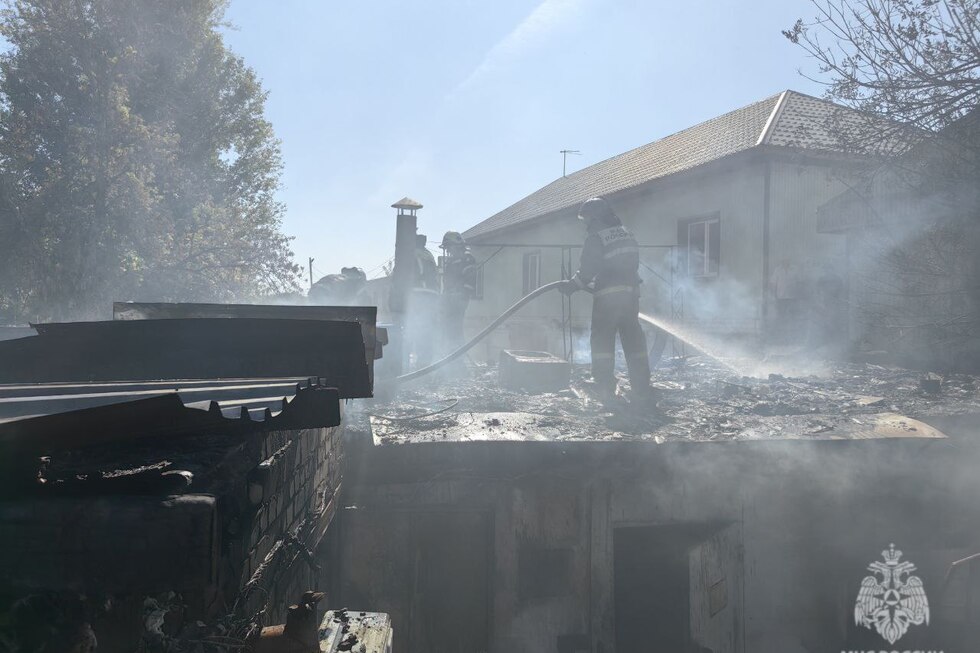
<point>797,190</point>
<point>731,304</point>
<point>734,191</point>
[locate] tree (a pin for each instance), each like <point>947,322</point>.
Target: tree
<point>911,68</point>
<point>916,62</point>
<point>135,160</point>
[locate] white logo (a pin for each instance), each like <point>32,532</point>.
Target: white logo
<point>892,603</point>
<point>613,234</point>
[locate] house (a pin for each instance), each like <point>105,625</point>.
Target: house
<point>717,208</point>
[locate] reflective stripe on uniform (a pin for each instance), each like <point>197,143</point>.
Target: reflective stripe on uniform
<point>627,249</point>
<point>614,289</point>
<point>612,234</point>
<point>602,356</point>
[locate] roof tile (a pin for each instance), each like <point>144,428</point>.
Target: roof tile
<point>798,121</point>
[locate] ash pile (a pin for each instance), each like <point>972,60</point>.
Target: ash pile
<point>700,400</point>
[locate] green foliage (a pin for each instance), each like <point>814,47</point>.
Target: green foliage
<point>135,160</point>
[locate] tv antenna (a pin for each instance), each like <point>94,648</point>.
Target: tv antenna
<point>564,158</point>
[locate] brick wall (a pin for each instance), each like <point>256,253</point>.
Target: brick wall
<point>287,503</point>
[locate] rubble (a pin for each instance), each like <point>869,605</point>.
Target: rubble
<point>700,400</point>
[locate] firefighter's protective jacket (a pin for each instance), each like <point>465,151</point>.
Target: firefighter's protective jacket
<point>610,259</point>
<point>459,275</point>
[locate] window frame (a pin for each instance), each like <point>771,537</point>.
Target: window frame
<point>478,284</point>
<point>684,246</point>
<point>528,270</point>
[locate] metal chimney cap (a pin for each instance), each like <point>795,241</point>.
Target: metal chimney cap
<point>406,203</point>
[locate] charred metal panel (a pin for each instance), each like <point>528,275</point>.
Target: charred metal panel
<point>157,413</point>
<point>206,348</point>
<point>365,316</point>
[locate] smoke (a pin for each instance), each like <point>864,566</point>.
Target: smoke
<point>722,318</point>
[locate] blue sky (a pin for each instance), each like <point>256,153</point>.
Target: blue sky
<point>465,104</point>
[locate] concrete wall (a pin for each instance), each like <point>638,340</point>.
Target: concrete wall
<point>793,526</point>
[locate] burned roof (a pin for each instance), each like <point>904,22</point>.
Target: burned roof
<point>702,402</point>
<point>785,120</point>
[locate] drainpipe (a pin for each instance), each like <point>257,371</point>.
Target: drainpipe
<point>766,199</point>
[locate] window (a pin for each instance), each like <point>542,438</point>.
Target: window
<point>478,289</point>
<point>699,240</point>
<point>532,271</point>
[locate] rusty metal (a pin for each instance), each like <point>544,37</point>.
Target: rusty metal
<point>298,634</point>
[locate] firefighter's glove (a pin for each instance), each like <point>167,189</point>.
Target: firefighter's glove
<point>568,287</point>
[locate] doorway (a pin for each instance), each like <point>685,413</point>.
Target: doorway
<point>667,575</point>
<point>428,570</point>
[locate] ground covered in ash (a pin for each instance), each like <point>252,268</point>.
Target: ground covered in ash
<point>699,400</point>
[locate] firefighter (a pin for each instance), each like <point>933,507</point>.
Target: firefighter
<point>426,273</point>
<point>610,263</point>
<point>423,304</point>
<point>459,270</point>
<point>339,289</point>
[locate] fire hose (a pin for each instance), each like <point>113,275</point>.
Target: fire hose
<point>462,349</point>
<point>660,341</point>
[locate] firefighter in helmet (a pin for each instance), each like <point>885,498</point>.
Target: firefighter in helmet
<point>610,266</point>
<point>339,289</point>
<point>423,304</point>
<point>459,270</point>
<point>426,275</point>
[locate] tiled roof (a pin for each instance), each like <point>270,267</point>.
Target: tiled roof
<point>788,119</point>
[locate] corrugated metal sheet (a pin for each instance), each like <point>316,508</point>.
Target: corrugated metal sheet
<point>189,349</point>
<point>42,418</point>
<point>365,316</point>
